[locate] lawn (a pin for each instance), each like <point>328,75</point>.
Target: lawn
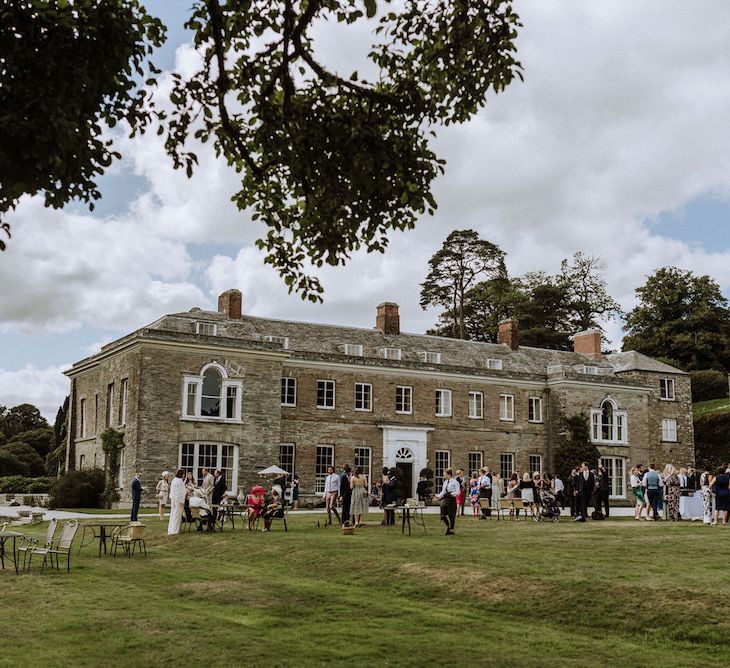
<point>711,406</point>
<point>497,593</point>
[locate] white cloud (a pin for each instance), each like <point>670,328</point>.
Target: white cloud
<point>44,388</point>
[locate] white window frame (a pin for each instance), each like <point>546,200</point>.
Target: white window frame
<point>110,405</point>
<point>669,430</point>
<point>353,349</point>
<point>590,369</point>
<point>476,405</point>
<point>197,469</point>
<point>443,403</point>
<point>534,408</point>
<point>619,426</point>
<point>480,456</point>
<point>430,357</point>
<point>439,465</point>
<point>123,402</point>
<point>664,393</point>
<point>494,364</point>
<point>407,391</point>
<point>282,463</point>
<point>615,492</point>
<point>366,406</point>
<point>320,477</point>
<point>83,418</point>
<point>506,407</point>
<point>288,381</point>
<point>283,340</point>
<point>206,328</point>
<point>510,457</point>
<point>391,353</point>
<point>325,406</point>
<point>368,470</point>
<point>538,469</point>
<point>120,469</point>
<point>196,383</point>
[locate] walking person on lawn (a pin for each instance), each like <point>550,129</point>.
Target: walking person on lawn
<point>136,495</point>
<point>447,496</point>
<point>331,493</point>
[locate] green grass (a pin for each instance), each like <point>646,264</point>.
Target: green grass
<point>497,593</point>
<point>711,406</point>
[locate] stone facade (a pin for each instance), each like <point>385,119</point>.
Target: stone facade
<point>501,404</point>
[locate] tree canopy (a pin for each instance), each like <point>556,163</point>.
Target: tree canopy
<point>454,269</point>
<point>68,71</point>
<point>330,161</point>
<point>20,418</point>
<point>681,318</point>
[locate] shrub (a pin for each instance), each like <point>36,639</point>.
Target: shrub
<point>14,484</point>
<point>708,384</point>
<point>39,485</point>
<point>10,465</point>
<point>78,489</point>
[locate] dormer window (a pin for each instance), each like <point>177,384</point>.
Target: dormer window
<point>494,364</point>
<point>429,357</point>
<point>206,328</point>
<point>212,396</point>
<point>590,369</point>
<point>390,353</point>
<point>352,349</point>
<point>281,340</point>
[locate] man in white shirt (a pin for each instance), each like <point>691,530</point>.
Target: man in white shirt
<point>485,491</point>
<point>559,491</point>
<point>331,492</point>
<point>447,496</point>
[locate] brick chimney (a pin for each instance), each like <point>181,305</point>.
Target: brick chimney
<point>388,320</point>
<point>508,333</point>
<point>588,343</point>
<point>230,303</point>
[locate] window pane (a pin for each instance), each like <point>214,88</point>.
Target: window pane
<point>324,458</point>
<point>286,458</point>
<point>441,464</point>
<point>191,398</point>
<point>211,403</point>
<point>363,460</point>
<point>506,464</point>
<point>475,462</point>
<point>231,399</point>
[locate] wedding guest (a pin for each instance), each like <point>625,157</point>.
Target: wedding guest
<point>462,489</point>
<point>136,495</point>
<point>255,505</point>
<point>497,489</point>
<point>207,485</point>
<point>693,480</point>
<point>474,493</point>
<point>684,489</point>
<point>219,487</point>
<point>295,491</point>
<point>638,492</point>
<point>485,489</point>
<point>190,490</point>
<point>359,497</point>
<point>447,496</point>
<point>558,489</point>
<point>513,492</point>
<point>331,493</point>
<point>704,481</point>
<point>604,489</point>
<point>586,488</point>
<point>275,508</point>
<point>177,501</point>
<point>163,489</point>
<point>720,488</point>
<point>653,483</point>
<point>345,493</point>
<point>672,491</point>
<point>527,492</point>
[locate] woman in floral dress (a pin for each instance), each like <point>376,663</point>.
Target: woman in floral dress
<point>671,489</point>
<point>474,493</point>
<point>705,480</point>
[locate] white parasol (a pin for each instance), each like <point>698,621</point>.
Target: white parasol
<point>273,470</point>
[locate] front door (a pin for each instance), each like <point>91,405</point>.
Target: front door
<point>407,468</point>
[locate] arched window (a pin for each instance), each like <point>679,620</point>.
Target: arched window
<point>608,424</point>
<point>212,395</point>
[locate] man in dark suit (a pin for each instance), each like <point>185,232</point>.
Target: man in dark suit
<point>605,488</point>
<point>586,487</point>
<point>693,481</point>
<point>345,493</point>
<point>573,487</point>
<point>219,487</point>
<point>136,495</point>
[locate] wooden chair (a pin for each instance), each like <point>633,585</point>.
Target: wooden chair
<point>519,504</point>
<point>129,537</point>
<point>61,548</point>
<point>485,504</point>
<point>504,505</point>
<point>30,543</point>
<point>281,515</point>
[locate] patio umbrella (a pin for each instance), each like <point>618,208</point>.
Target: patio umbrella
<point>273,470</point>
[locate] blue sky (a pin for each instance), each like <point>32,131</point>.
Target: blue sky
<point>616,144</point>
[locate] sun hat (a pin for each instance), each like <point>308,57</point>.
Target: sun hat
<point>164,473</point>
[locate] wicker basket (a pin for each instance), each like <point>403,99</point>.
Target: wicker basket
<point>348,531</point>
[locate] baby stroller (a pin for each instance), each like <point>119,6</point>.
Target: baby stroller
<point>549,508</point>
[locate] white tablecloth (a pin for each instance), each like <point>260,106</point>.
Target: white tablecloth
<point>691,507</point>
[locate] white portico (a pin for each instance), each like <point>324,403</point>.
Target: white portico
<point>405,447</point>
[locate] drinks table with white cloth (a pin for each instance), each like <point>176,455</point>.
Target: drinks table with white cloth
<point>691,507</point>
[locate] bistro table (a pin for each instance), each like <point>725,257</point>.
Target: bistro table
<point>102,534</point>
<point>408,513</point>
<point>7,535</point>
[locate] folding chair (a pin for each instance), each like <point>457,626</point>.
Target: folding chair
<point>31,543</point>
<point>62,547</point>
<point>503,504</point>
<point>519,504</point>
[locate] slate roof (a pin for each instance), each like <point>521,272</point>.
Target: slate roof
<point>633,361</point>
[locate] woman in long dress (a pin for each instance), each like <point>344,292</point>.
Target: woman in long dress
<point>672,491</point>
<point>497,489</point>
<point>359,498</point>
<point>163,489</point>
<point>720,488</point>
<point>178,494</point>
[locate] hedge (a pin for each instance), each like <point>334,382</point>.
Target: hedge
<point>77,489</point>
<point>18,484</point>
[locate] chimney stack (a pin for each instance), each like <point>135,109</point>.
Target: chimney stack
<point>230,303</point>
<point>388,320</point>
<point>508,333</point>
<point>588,343</point>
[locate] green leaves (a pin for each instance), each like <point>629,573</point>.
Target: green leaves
<point>333,164</point>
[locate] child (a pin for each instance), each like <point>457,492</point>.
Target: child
<point>272,509</point>
<point>474,493</point>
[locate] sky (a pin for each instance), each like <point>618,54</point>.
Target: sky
<point>616,144</point>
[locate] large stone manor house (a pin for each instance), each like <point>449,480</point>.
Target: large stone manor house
<point>237,392</point>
